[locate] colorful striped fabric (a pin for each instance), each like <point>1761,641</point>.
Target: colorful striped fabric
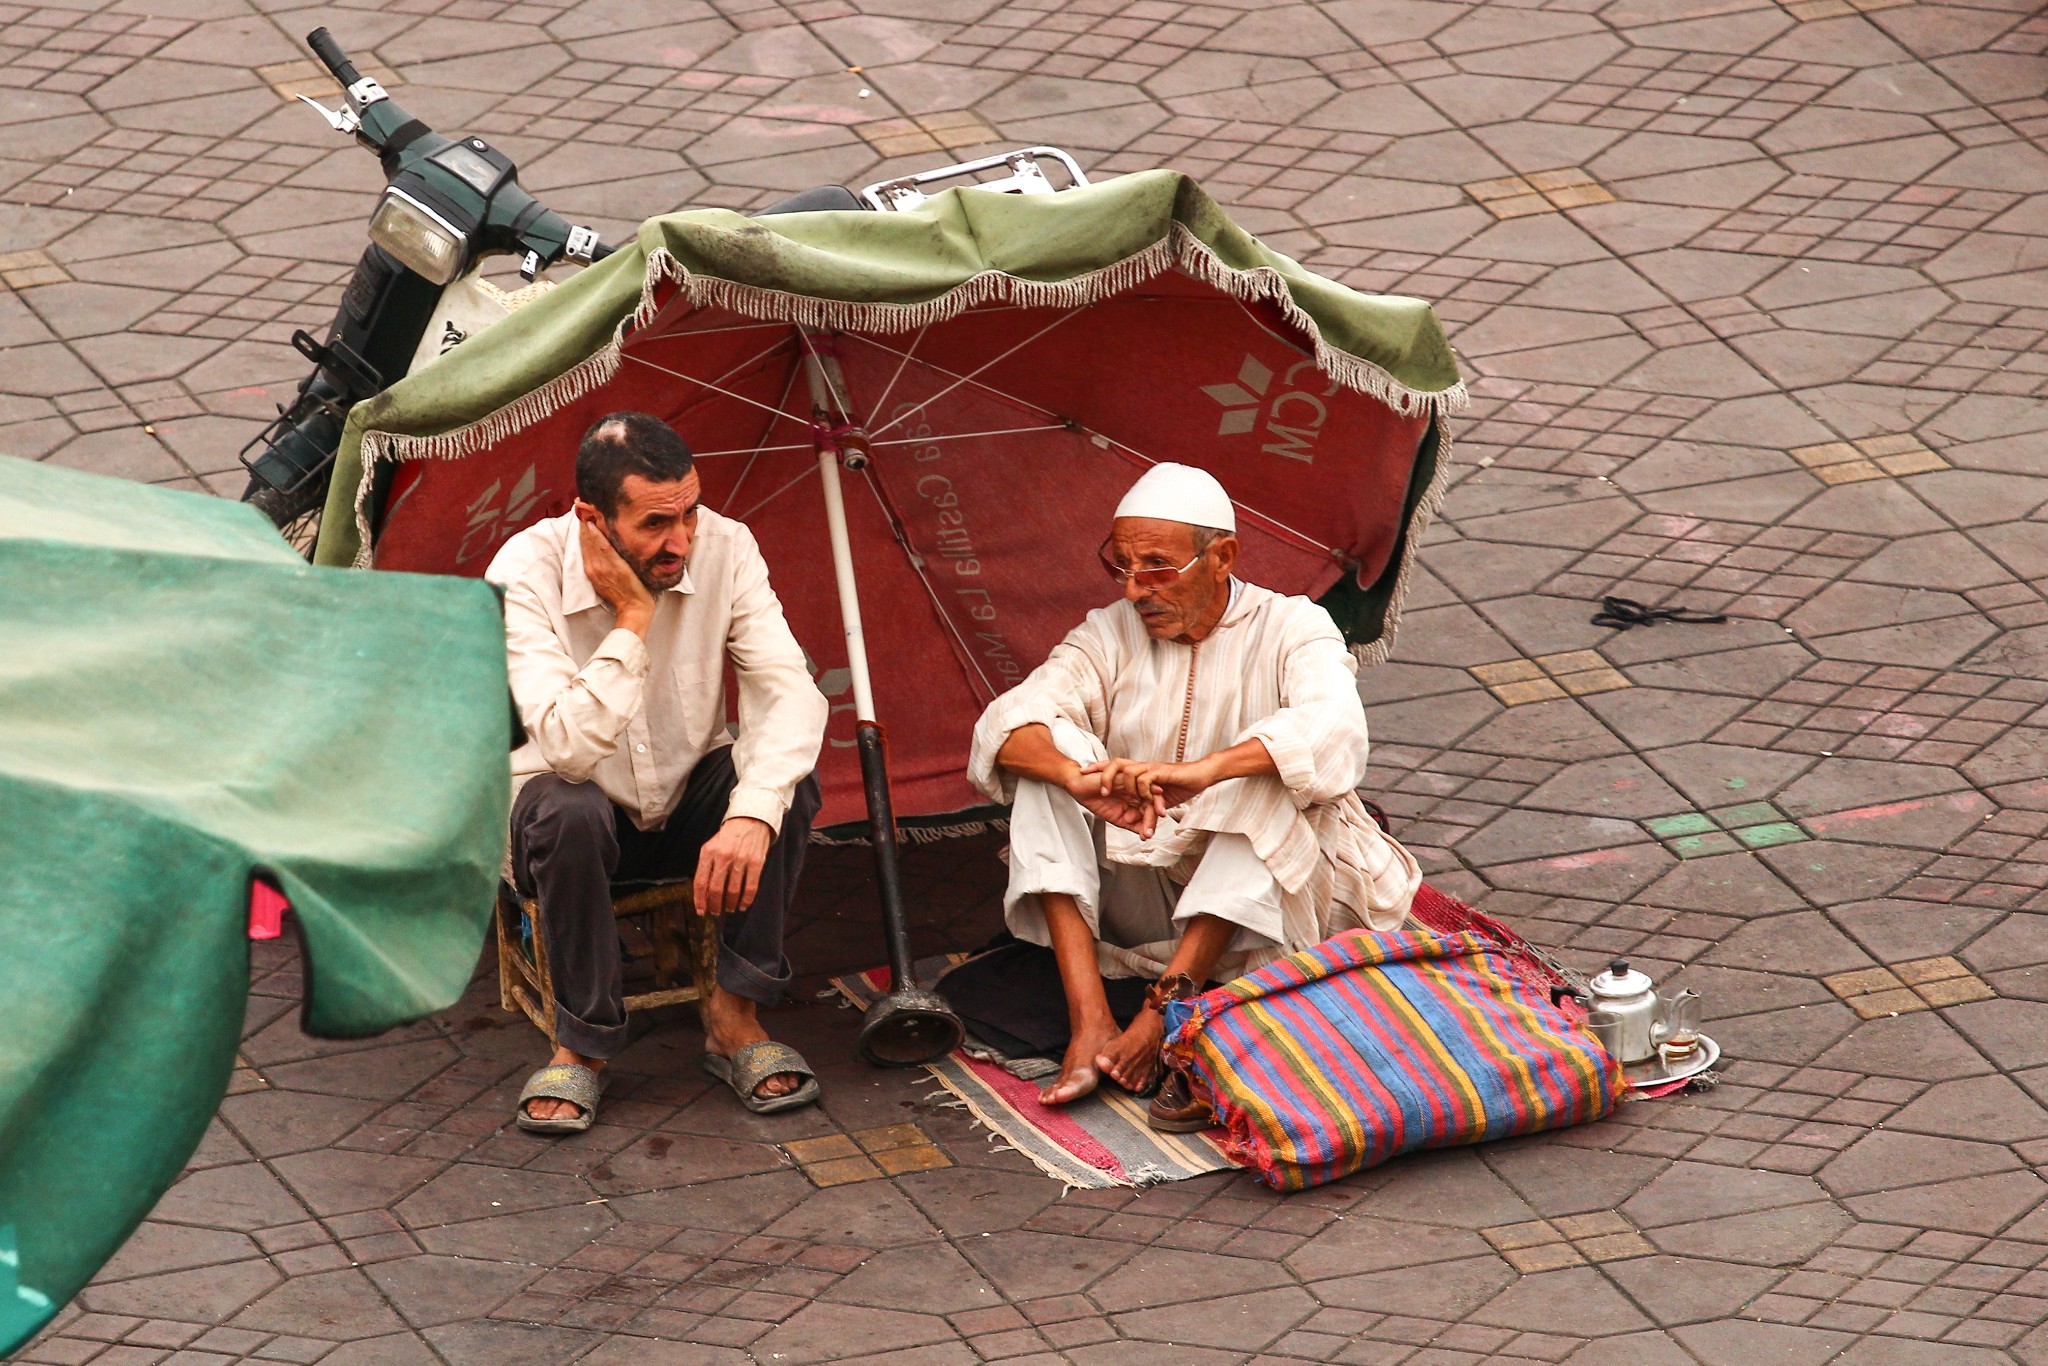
<point>1374,1044</point>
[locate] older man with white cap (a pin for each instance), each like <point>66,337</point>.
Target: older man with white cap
<point>1182,771</point>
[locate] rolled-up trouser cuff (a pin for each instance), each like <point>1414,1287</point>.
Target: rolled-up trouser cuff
<point>592,1041</point>
<point>746,979</point>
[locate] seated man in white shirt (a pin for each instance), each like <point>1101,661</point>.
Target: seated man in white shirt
<point>620,618</point>
<point>1182,772</point>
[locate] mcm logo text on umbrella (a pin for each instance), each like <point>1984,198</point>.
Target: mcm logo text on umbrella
<point>1292,416</point>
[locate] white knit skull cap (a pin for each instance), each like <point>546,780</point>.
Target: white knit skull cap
<point>1180,493</point>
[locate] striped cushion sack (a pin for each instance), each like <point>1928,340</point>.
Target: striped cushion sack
<point>1369,1045</point>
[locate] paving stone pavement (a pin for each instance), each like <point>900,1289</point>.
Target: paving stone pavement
<point>1752,299</point>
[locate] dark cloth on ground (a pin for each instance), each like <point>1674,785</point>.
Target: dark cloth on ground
<point>1010,997</point>
<point>571,846</point>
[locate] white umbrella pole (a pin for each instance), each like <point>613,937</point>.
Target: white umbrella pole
<point>849,591</point>
<point>910,1025</point>
<point>825,400</point>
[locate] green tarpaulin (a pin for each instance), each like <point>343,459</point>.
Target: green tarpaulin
<point>183,704</point>
<point>1389,346</point>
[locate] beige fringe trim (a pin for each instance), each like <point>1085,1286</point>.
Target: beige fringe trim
<point>1376,652</point>
<point>1180,250</point>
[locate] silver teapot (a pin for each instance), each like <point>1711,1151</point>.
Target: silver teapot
<point>1634,1023</point>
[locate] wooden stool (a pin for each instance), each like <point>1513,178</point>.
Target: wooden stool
<point>671,925</point>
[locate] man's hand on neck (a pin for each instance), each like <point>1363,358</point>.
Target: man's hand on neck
<point>614,581</point>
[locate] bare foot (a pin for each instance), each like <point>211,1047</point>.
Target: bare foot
<point>1078,1071</point>
<point>547,1107</point>
<point>735,1023</point>
<point>1131,1059</point>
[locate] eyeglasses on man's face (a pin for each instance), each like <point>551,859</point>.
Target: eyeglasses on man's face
<point>1145,575</point>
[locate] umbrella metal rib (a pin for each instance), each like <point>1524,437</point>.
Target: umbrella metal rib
<point>961,650</point>
<point>969,378</point>
<point>761,446</point>
<point>718,388</point>
<point>902,364</point>
<point>1061,422</point>
<point>807,473</point>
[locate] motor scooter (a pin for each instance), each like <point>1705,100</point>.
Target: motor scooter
<point>449,205</point>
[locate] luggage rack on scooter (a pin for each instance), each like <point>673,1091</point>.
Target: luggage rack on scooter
<point>1026,177</point>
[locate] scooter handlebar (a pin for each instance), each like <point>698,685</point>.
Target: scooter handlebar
<point>332,57</point>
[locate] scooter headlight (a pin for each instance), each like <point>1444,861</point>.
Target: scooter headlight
<point>424,242</point>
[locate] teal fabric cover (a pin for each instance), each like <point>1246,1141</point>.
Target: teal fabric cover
<point>185,703</point>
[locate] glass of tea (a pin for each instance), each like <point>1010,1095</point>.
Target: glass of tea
<point>1679,1028</point>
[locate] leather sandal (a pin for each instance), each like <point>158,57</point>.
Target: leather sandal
<point>1180,1107</point>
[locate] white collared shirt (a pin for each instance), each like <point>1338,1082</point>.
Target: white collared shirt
<point>600,705</point>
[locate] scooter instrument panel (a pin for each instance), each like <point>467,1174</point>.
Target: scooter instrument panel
<point>475,164</point>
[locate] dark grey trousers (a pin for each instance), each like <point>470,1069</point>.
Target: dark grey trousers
<point>570,846</point>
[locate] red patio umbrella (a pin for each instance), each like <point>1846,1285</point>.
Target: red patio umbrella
<point>985,437</point>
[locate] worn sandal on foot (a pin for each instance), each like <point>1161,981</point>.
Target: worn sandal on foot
<point>754,1064</point>
<point>568,1081</point>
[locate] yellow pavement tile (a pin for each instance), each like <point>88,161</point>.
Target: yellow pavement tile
<point>944,131</point>
<point>1579,196</point>
<point>958,128</point>
<point>26,269</point>
<point>1955,991</point>
<point>1548,1257</point>
<point>245,1078</point>
<point>1597,1224</point>
<point>1536,690</point>
<point>1849,472</point>
<point>1912,462</point>
<point>1535,1232</point>
<point>1832,453</point>
<point>1507,671</point>
<point>824,1149</point>
<point>1520,206</point>
<point>842,1172</point>
<point>1921,970</point>
<point>1563,178</point>
<point>1882,1003</point>
<point>1615,1246</point>
<point>892,138</point>
<point>889,1136</point>
<point>923,1157</point>
<point>1861,982</point>
<point>1507,187</point>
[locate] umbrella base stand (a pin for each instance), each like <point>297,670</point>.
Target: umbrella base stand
<point>910,1025</point>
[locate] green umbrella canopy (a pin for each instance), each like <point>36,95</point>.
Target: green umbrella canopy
<point>184,704</point>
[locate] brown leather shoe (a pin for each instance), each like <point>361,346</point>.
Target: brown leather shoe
<point>1180,1108</point>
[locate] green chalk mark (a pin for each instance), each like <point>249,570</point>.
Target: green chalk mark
<point>1749,813</point>
<point>1765,836</point>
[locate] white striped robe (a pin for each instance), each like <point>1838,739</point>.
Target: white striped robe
<point>1275,669</point>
